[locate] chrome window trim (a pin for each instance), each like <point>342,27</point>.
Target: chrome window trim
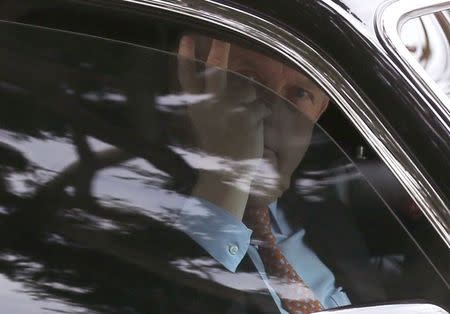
<point>389,19</point>
<point>353,103</point>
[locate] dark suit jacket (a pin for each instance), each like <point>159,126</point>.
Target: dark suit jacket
<point>180,277</point>
<point>333,234</point>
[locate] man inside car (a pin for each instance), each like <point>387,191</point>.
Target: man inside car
<point>260,131</point>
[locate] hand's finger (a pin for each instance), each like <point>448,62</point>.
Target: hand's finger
<point>239,95</point>
<point>186,65</point>
<point>187,47</point>
<point>218,57</point>
<point>241,90</point>
<point>218,54</point>
<point>248,116</point>
<point>260,111</point>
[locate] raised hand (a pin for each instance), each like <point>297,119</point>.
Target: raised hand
<point>227,123</point>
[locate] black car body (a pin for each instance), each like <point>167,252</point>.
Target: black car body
<point>70,68</point>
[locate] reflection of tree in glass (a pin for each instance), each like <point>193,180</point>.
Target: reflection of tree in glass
<point>106,254</point>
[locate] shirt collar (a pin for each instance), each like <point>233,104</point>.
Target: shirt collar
<point>216,230</point>
<point>273,209</point>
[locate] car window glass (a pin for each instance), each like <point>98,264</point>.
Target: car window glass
<point>132,180</point>
<point>427,39</point>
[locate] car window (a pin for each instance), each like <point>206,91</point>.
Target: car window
<point>427,38</point>
<point>193,179</point>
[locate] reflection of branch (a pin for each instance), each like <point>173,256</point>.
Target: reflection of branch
<point>153,148</point>
<point>100,160</point>
<point>86,172</point>
<point>48,198</point>
<point>443,23</point>
<point>198,268</point>
<point>426,50</point>
<point>154,260</point>
<point>11,157</point>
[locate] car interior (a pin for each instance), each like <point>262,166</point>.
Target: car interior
<point>341,184</point>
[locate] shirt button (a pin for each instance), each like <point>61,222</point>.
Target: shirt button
<point>233,249</point>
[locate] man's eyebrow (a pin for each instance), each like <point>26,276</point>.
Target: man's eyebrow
<point>310,84</point>
<point>316,91</point>
<point>243,59</point>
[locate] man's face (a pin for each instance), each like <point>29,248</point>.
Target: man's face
<point>287,130</point>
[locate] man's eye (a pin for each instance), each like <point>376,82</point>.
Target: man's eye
<point>300,93</point>
<point>302,99</point>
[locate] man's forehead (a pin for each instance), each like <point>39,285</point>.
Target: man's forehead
<point>240,55</point>
<point>263,63</point>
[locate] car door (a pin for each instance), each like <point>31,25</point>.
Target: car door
<point>101,155</point>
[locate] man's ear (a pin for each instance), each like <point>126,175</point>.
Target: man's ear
<point>324,106</point>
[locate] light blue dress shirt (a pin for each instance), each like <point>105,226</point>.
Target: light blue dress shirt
<point>227,240</point>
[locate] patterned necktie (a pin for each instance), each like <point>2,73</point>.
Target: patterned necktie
<point>296,297</point>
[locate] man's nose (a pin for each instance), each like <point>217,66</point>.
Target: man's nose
<point>267,98</point>
<point>268,113</point>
